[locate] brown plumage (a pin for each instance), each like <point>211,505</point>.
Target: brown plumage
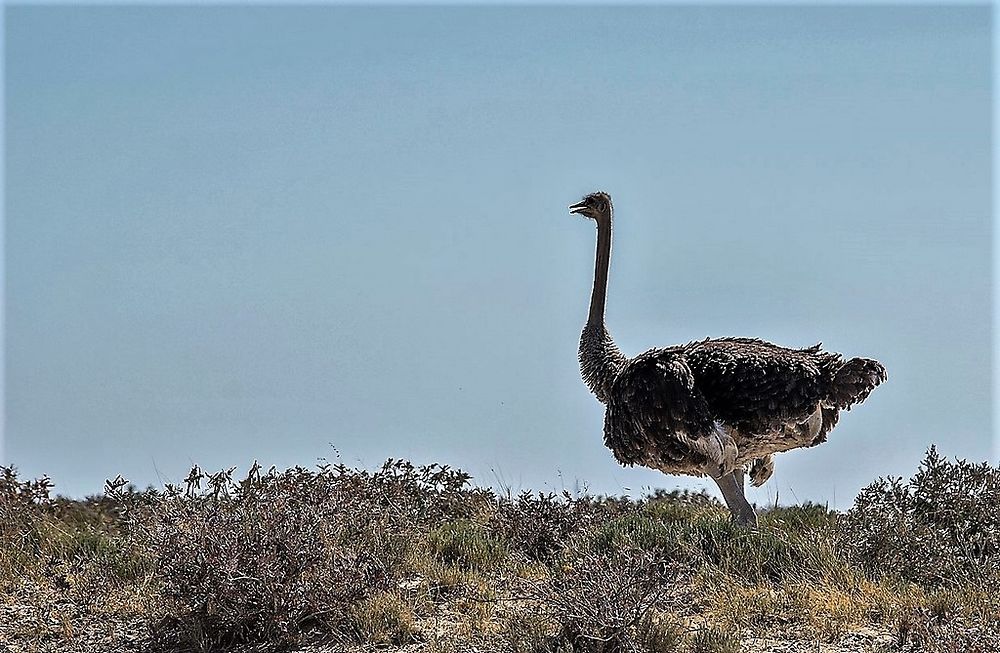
<point>715,407</point>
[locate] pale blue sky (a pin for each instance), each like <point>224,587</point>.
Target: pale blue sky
<point>251,233</point>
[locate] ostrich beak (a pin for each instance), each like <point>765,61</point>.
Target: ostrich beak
<point>578,207</point>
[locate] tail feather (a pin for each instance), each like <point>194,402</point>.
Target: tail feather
<point>854,381</point>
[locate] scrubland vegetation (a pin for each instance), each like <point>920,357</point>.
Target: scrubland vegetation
<point>418,559</point>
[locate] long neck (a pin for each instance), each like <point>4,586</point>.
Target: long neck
<point>600,359</point>
<point>601,265</point>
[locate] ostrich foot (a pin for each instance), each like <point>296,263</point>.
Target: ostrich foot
<point>747,519</point>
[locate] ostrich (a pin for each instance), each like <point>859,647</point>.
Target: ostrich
<point>716,407</point>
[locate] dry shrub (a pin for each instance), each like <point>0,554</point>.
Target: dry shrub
<point>539,526</point>
<point>942,528</point>
<point>24,507</point>
<point>606,603</point>
<point>277,556</point>
<point>941,626</point>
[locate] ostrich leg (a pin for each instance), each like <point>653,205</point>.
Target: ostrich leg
<point>740,473</point>
<point>731,486</point>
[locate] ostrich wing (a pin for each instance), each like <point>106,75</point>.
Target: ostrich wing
<point>755,385</point>
<point>655,412</point>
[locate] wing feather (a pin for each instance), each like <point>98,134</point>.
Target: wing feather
<point>655,410</point>
<point>755,385</point>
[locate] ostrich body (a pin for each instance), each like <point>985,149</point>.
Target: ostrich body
<point>715,407</point>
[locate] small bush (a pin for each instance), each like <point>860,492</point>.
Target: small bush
<point>20,499</point>
<point>941,528</point>
<point>605,603</point>
<point>279,556</point>
<point>942,627</point>
<point>24,507</point>
<point>538,526</point>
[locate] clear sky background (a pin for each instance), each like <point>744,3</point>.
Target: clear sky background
<point>253,233</point>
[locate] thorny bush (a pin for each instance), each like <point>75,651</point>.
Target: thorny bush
<point>23,506</point>
<point>941,528</point>
<point>604,602</point>
<point>21,502</point>
<point>278,555</point>
<point>539,525</point>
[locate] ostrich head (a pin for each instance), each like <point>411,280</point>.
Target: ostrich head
<point>596,206</point>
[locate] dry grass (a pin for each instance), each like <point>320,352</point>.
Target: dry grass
<point>415,558</point>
